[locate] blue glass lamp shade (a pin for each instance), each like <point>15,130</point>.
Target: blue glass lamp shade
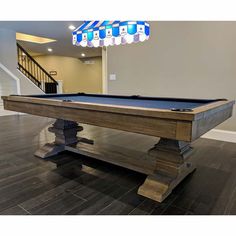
<point>108,33</point>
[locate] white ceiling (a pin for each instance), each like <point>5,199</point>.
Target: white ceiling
<point>51,29</point>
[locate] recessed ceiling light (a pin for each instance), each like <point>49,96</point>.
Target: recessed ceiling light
<point>49,49</point>
<point>71,27</point>
<point>82,55</point>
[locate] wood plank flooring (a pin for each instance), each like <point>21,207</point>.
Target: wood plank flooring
<point>29,185</point>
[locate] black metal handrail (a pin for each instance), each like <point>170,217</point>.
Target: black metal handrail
<point>34,71</point>
<point>29,75</point>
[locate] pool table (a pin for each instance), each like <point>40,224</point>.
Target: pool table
<point>176,121</point>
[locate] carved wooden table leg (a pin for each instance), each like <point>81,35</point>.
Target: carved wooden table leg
<point>173,164</point>
<point>66,134</point>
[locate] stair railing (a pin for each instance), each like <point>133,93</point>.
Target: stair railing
<point>35,72</point>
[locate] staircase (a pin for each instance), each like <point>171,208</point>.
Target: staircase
<point>33,71</point>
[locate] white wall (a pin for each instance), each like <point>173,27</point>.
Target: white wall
<point>7,84</point>
<point>8,58</point>
<point>181,59</point>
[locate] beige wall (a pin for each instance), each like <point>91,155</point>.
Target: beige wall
<point>181,59</point>
<point>76,76</point>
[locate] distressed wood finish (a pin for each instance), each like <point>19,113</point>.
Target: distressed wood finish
<point>65,134</point>
<point>138,124</point>
<point>166,164</point>
<point>197,113</point>
<point>208,122</point>
<point>173,164</point>
<point>155,122</point>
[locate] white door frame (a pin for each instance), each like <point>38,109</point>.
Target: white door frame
<point>104,71</point>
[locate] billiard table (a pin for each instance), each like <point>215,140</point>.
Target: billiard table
<point>176,121</point>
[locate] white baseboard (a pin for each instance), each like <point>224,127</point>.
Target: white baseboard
<point>222,135</point>
<point>6,112</point>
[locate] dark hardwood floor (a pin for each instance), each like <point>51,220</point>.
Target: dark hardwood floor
<point>29,185</point>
